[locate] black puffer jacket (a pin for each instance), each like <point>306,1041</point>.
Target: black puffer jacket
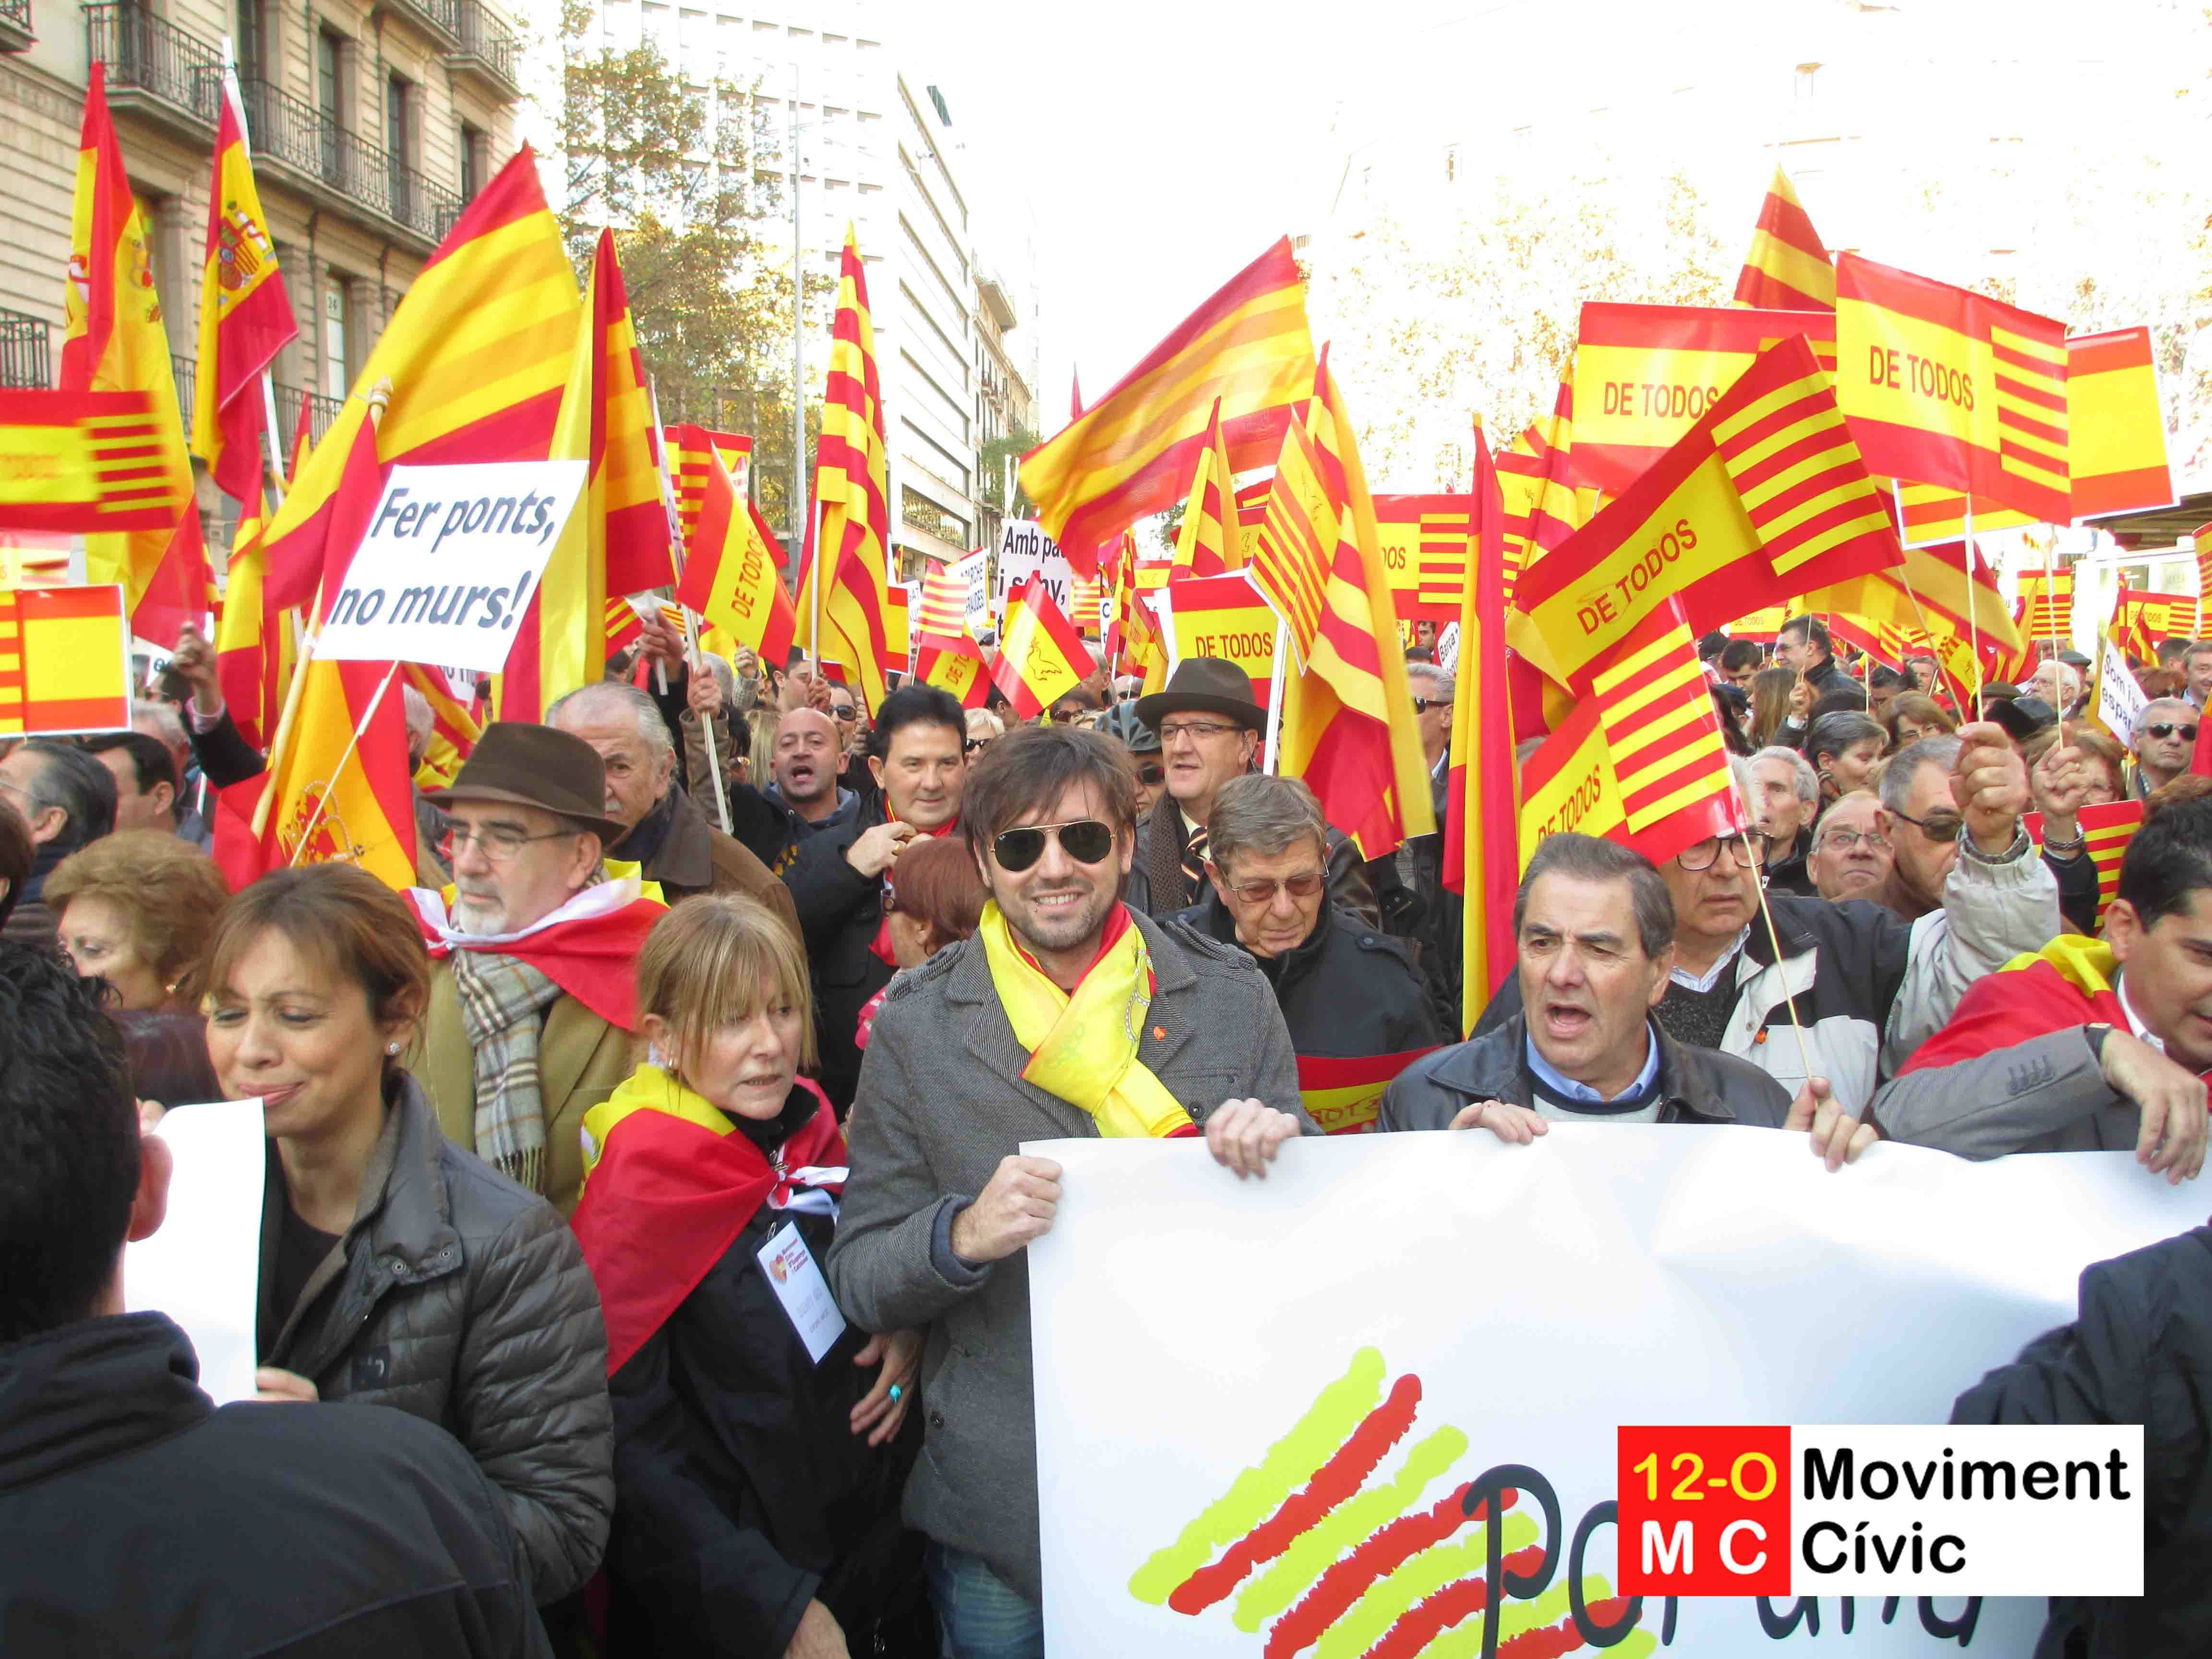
<point>459,1297</point>
<point>839,913</point>
<point>2140,1352</point>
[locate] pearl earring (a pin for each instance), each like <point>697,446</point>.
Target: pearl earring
<point>391,1048</point>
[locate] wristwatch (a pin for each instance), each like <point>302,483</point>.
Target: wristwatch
<point>2096,1034</point>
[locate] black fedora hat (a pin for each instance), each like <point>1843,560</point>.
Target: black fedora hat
<point>1205,685</point>
<point>528,765</point>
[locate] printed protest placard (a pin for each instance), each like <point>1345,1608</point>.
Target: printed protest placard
<point>452,559</point>
<point>1025,551</point>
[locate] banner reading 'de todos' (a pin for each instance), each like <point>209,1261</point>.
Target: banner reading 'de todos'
<point>451,562</point>
<point>1262,1408</point>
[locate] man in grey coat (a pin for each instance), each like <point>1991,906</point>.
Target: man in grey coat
<point>1593,924</point>
<point>1166,1032</point>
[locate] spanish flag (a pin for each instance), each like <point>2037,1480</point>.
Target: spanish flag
<point>82,461</point>
<point>1247,347</point>
<point>245,316</point>
<point>1343,1093</point>
<point>2115,425</point>
<point>64,660</point>
<point>1211,541</point>
<point>477,356</point>
<point>851,507</point>
<point>730,578</point>
<point>1041,657</point>
<point>454,727</point>
<point>113,340</point>
<point>1787,269</point>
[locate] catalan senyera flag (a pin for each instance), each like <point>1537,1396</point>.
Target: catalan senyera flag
<point>2202,536</point>
<point>246,315</point>
<point>625,451</point>
<point>2046,611</point>
<point>851,516</point>
<point>1088,603</point>
<point>1296,539</point>
<point>1347,723</point>
<point>1535,474</point>
<point>80,461</point>
<point>623,622</point>
<point>1423,540</point>
<point>1568,785</point>
<point>1670,764</point>
<point>327,795</point>
<point>1787,269</point>
<point>1210,541</point>
<point>113,340</point>
<point>2115,425</point>
<point>1764,499</point>
<point>1943,592</point>
<point>2107,827</point>
<point>1127,455</point>
<point>1251,508</point>
<point>943,613</point>
<point>1945,386</point>
<point>64,660</point>
<point>1479,805</point>
<point>1647,375</point>
<point>454,727</point>
<point>1042,658</point>
<point>1930,516</point>
<point>477,353</point>
<point>730,578</point>
<point>2141,618</point>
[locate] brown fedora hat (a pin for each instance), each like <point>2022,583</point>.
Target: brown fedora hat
<point>527,765</point>
<point>1206,685</point>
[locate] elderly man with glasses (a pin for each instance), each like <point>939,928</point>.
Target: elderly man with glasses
<point>1867,986</point>
<point>2164,742</point>
<point>1851,851</point>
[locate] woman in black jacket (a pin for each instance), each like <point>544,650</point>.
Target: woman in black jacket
<point>396,1269</point>
<point>759,1454</point>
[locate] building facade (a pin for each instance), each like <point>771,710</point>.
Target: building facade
<point>371,123</point>
<point>1006,404</point>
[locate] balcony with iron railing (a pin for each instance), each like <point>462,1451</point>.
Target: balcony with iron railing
<point>25,361</point>
<point>187,371</point>
<point>438,17</point>
<point>297,137</point>
<point>488,49</point>
<point>16,34</point>
<point>155,68</point>
<point>321,412</point>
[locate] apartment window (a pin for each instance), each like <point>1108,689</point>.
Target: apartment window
<point>332,102</point>
<point>399,111</point>
<point>336,376</point>
<point>249,38</point>
<point>476,156</point>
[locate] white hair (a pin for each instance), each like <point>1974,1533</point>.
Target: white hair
<point>1439,677</point>
<point>1804,779</point>
<point>419,718</point>
<point>605,694</point>
<point>161,722</point>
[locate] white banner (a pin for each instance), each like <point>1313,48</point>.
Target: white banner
<point>2120,700</point>
<point>450,564</point>
<point>1261,1405</point>
<point>1025,551</point>
<point>202,1265</point>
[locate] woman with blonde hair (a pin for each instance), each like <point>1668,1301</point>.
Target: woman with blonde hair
<point>758,1455</point>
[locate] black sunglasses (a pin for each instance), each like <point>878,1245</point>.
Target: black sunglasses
<point>2165,729</point>
<point>1422,705</point>
<point>1086,841</point>
<point>1149,775</point>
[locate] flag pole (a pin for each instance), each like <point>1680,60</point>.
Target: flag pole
<point>1275,702</point>
<point>1974,606</point>
<point>331,783</point>
<point>1774,937</point>
<point>1929,634</point>
<point>2050,600</point>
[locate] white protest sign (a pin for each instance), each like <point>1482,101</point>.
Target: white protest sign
<point>202,1266</point>
<point>974,571</point>
<point>1200,1344</point>
<point>452,559</point>
<point>1025,551</point>
<point>2120,700</point>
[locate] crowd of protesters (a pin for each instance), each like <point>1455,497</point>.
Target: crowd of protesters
<point>647,1183</point>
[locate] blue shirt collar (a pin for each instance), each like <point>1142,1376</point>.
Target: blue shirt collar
<point>1565,1088</point>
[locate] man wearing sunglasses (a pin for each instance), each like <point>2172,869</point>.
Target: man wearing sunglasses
<point>1357,1011</point>
<point>1069,1013</point>
<point>2090,1044</point>
<point>2165,741</point>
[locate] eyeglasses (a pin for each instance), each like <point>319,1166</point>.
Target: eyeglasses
<point>2165,729</point>
<point>1303,886</point>
<point>1152,774</point>
<point>1196,730</point>
<point>1422,705</point>
<point>497,843</point>
<point>1844,840</point>
<point>1936,826</point>
<point>1086,841</point>
<point>843,712</point>
<point>1707,853</point>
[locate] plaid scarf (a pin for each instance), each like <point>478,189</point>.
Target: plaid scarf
<point>500,1000</point>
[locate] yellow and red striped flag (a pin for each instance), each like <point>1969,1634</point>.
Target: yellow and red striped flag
<point>1423,540</point>
<point>246,315</point>
<point>64,660</point>
<point>2046,611</point>
<point>689,448</point>
<point>256,645</point>
<point>1480,810</point>
<point>1252,508</point>
<point>1347,724</point>
<point>454,727</point>
<point>2141,618</point>
<point>1671,765</point>
<point>2108,826</point>
<point>943,613</point>
<point>81,461</point>
<point>957,669</point>
<point>1535,474</point>
<point>623,622</point>
<point>2115,425</point>
<point>113,340</point>
<point>1042,658</point>
<point>1936,583</point>
<point>1568,787</point>
<point>1932,515</point>
<point>730,579</point>
<point>1087,603</point>
<point>1296,539</point>
<point>1787,269</point>
<point>1764,499</point>
<point>1343,1093</point>
<point>1210,542</point>
<point>851,502</point>
<point>1247,347</point>
<point>625,447</point>
<point>1949,387</point>
<point>477,353</point>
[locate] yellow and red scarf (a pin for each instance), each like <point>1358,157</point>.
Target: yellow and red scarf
<point>1083,1046</point>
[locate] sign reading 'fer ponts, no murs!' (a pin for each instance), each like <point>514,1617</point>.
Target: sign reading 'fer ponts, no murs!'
<point>452,559</point>
<point>1984,1511</point>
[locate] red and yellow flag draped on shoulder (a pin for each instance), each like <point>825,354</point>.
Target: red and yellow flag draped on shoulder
<point>113,340</point>
<point>1247,347</point>
<point>245,317</point>
<point>848,527</point>
<point>1347,724</point>
<point>478,355</point>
